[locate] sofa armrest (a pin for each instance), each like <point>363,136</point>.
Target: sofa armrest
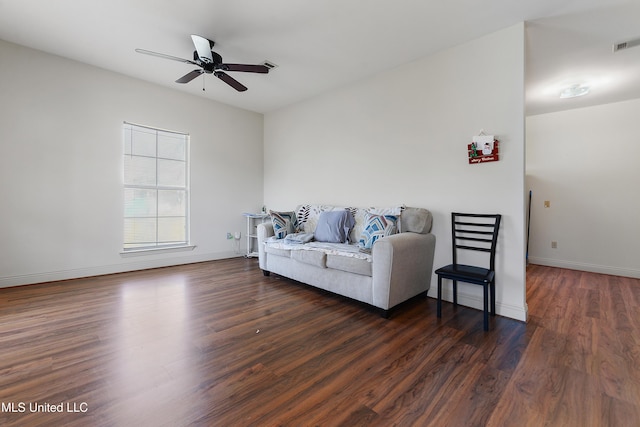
<point>402,267</point>
<point>264,231</point>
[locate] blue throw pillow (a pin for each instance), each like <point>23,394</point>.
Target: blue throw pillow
<point>283,223</point>
<point>377,227</point>
<point>334,226</point>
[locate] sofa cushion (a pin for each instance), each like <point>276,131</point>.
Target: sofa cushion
<point>283,223</point>
<point>349,264</point>
<point>334,226</point>
<point>317,258</point>
<point>376,227</point>
<point>416,220</point>
<point>270,249</point>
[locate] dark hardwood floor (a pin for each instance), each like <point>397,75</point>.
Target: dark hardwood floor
<point>218,344</point>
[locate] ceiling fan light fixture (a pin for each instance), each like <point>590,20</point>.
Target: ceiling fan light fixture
<point>574,91</point>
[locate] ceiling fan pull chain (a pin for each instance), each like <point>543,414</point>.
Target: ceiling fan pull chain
<point>203,82</point>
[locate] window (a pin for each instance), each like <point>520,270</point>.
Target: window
<point>156,188</point>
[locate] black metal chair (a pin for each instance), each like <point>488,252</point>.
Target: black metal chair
<point>474,232</point>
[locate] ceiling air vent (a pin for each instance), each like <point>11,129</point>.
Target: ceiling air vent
<point>626,45</point>
<point>270,65</point>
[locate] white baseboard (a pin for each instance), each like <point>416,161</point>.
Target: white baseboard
<point>593,268</point>
<point>133,264</point>
<point>467,300</point>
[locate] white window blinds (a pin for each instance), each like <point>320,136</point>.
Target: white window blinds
<point>156,188</point>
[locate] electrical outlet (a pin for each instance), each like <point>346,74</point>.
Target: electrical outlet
<point>554,245</point>
<point>237,235</point>
<point>229,236</point>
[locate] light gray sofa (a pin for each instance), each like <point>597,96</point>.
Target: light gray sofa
<point>399,267</point>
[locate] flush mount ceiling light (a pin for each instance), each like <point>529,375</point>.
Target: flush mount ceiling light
<point>574,91</point>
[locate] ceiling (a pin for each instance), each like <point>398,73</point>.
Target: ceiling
<point>319,46</point>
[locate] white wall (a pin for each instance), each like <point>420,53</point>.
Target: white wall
<point>401,137</point>
<point>61,167</point>
<point>585,163</point>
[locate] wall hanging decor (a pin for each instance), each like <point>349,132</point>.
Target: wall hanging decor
<point>483,148</point>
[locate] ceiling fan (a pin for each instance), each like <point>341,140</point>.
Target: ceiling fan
<point>210,63</point>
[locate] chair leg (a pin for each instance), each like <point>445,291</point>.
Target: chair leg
<point>439,303</point>
<point>486,307</point>
<point>455,293</point>
<point>493,298</point>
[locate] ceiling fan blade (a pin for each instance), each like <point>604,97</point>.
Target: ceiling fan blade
<point>247,68</point>
<point>189,76</point>
<point>230,81</point>
<point>203,47</point>
<point>165,56</point>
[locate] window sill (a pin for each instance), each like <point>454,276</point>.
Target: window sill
<point>140,252</point>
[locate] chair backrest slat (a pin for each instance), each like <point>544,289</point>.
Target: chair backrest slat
<point>473,248</point>
<point>474,239</point>
<point>475,232</point>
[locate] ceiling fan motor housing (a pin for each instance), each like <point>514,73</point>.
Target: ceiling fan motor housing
<point>208,67</point>
<point>217,59</point>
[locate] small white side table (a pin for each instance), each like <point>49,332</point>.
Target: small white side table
<point>253,219</point>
